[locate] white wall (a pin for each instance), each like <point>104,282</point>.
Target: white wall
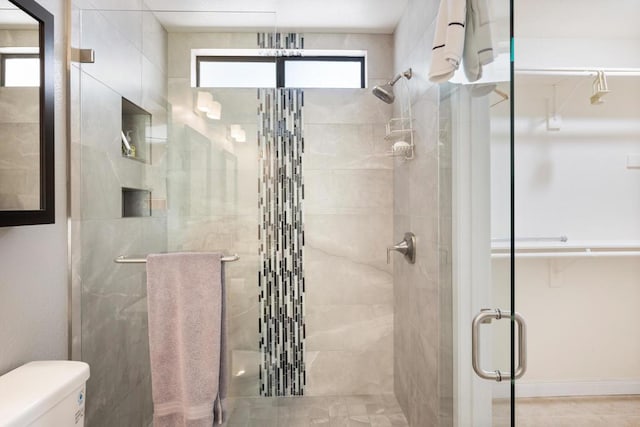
<point>33,259</point>
<point>581,313</point>
<point>574,181</point>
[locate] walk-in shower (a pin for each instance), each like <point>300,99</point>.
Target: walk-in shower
<point>321,330</point>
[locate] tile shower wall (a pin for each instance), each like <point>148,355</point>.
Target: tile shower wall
<point>348,215</point>
<point>422,204</point>
<point>111,333</point>
<point>348,225</point>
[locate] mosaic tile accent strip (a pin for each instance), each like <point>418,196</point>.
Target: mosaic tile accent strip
<point>281,281</point>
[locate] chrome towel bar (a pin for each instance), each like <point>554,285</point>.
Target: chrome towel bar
<point>140,260</point>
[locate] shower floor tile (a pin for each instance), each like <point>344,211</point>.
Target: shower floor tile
<point>341,411</point>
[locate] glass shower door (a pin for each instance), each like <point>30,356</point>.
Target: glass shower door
<point>489,335</point>
<point>482,254</point>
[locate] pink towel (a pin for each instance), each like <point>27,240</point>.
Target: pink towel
<point>186,338</point>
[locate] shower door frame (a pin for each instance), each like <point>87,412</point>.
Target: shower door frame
<point>472,280</point>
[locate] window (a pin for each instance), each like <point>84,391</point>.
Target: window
<point>282,71</point>
<point>20,70</point>
<point>327,72</point>
<point>238,71</point>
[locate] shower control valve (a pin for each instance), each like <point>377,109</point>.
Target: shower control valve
<point>406,247</point>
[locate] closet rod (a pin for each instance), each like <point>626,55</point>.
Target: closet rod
<point>626,72</point>
<point>139,260</point>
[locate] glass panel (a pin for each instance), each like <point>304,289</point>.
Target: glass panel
<point>479,112</point>
<point>323,74</point>
<point>577,137</point>
<point>237,74</point>
<point>198,180</point>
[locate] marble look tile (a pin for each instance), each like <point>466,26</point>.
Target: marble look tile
<point>154,41</point>
<point>101,189</point>
<point>19,105</point>
<point>379,421</point>
<point>346,146</point>
<point>154,89</point>
<point>360,238</point>
<point>128,24</point>
<point>307,411</point>
<point>347,372</point>
<point>114,65</point>
<point>100,109</point>
<point>426,126</point>
<point>344,327</point>
<point>379,49</point>
<point>180,45</point>
<point>244,379</point>
<point>344,106</point>
<point>346,282</point>
<point>348,191</point>
<point>18,38</point>
<point>242,330</point>
<point>116,237</point>
<point>117,350</point>
<point>199,234</point>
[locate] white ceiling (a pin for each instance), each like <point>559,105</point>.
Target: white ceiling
<point>358,16</point>
<point>13,18</point>
<point>577,19</point>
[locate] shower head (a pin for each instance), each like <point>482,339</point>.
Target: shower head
<point>385,92</point>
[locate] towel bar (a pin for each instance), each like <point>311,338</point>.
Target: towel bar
<point>124,260</point>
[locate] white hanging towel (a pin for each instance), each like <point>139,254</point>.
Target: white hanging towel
<point>478,43</point>
<point>448,42</point>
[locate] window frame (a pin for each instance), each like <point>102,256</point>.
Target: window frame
<point>3,66</point>
<point>280,61</point>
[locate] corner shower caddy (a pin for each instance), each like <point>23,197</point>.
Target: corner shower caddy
<point>400,129</point>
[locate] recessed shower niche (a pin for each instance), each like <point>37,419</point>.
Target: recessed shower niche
<point>136,130</point>
<point>136,202</point>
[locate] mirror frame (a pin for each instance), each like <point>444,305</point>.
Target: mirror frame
<point>46,213</point>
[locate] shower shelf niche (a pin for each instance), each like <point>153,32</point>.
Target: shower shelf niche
<point>135,135</point>
<point>136,202</point>
<point>399,131</point>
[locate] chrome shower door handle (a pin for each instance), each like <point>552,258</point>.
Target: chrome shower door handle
<point>487,316</point>
<point>406,247</point>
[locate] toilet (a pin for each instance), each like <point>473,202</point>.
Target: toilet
<point>44,394</point>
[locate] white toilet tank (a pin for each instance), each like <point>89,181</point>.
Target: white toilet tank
<point>44,394</point>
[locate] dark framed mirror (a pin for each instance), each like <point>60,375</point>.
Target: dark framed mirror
<point>26,114</point>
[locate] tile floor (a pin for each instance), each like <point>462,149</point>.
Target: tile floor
<point>342,411</point>
<point>579,411</point>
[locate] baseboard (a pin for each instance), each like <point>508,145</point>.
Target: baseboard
<point>579,388</point>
